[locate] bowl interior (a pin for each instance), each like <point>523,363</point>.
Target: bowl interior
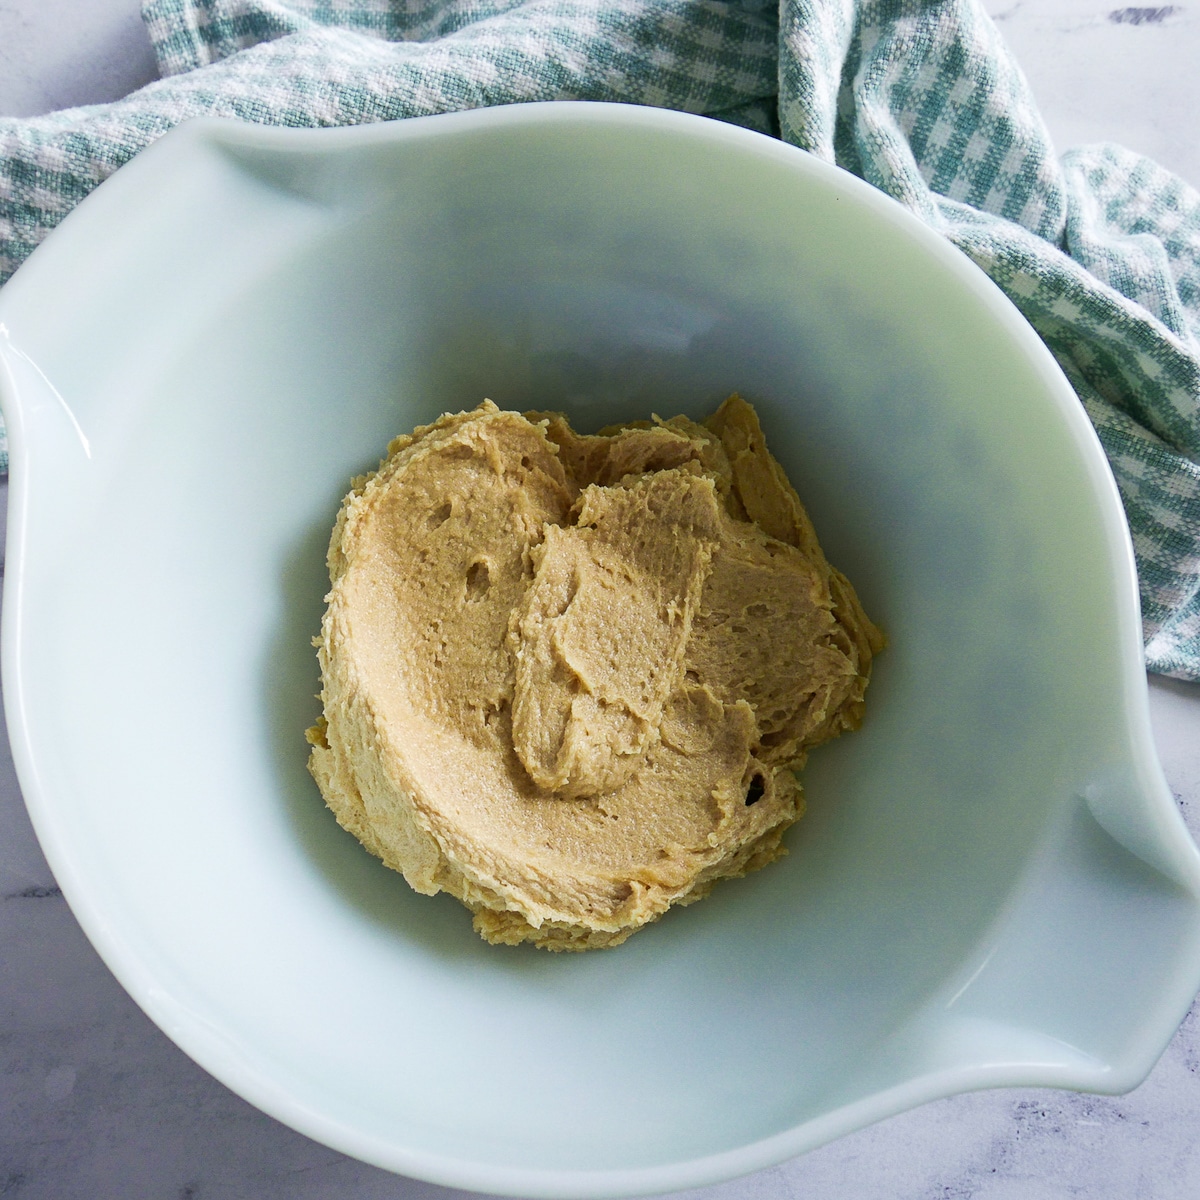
<point>249,333</point>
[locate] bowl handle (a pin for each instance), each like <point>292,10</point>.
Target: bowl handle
<point>1095,959</point>
<point>1086,973</point>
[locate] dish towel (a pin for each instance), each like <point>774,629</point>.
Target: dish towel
<point>1100,249</point>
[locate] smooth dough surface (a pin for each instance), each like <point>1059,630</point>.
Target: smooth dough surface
<point>567,678</point>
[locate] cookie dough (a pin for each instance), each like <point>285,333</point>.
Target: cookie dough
<point>567,678</point>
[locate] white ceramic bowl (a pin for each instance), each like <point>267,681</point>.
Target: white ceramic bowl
<point>992,886</point>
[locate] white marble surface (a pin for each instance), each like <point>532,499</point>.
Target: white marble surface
<point>96,1104</point>
<point>1105,71</point>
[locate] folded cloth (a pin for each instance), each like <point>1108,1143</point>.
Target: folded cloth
<point>1100,250</point>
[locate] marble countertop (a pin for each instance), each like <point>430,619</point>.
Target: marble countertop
<point>97,1104</point>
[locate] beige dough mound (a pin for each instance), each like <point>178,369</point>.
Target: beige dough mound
<point>567,678</point>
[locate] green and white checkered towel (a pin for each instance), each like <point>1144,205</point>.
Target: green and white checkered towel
<point>1100,249</point>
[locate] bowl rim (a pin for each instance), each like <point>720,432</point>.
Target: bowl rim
<point>205,1044</point>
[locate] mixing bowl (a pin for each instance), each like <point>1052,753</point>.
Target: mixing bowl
<point>992,885</point>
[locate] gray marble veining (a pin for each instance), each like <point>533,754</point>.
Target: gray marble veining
<point>1111,72</point>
